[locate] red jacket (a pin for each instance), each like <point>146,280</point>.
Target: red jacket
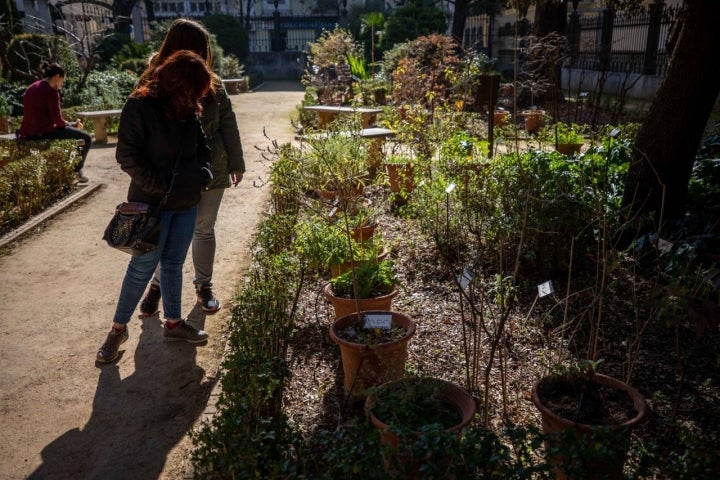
<point>41,110</point>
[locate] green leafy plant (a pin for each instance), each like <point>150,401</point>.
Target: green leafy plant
<point>369,279</point>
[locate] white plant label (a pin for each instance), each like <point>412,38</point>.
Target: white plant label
<point>545,289</point>
<point>332,212</point>
<point>465,278</point>
<point>450,188</point>
<point>382,321</point>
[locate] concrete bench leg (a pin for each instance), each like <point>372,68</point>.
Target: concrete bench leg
<point>100,130</point>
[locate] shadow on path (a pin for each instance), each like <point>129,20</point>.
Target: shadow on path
<point>136,420</point>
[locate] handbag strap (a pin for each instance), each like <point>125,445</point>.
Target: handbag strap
<point>172,182</point>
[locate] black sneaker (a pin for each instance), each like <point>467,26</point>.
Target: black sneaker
<point>183,332</point>
<point>210,304</point>
<point>149,305</point>
<point>111,348</point>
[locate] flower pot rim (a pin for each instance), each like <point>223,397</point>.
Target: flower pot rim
<point>338,323</point>
<point>467,414</point>
<point>327,290</point>
<point>636,397</point>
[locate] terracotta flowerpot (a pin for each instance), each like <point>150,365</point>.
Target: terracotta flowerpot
<point>568,148</point>
<point>608,466</point>
<point>402,181</point>
<point>534,120</point>
<point>368,366</point>
<point>366,232</point>
<point>500,117</point>
<point>345,306</point>
<point>451,397</point>
<point>4,124</point>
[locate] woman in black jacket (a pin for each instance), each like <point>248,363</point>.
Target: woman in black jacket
<point>162,147</point>
<point>227,164</point>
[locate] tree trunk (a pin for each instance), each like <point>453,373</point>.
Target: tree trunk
<point>122,9</point>
<point>458,22</point>
<point>669,137</point>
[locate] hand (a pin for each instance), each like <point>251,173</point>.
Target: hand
<point>236,177</point>
<point>78,124</point>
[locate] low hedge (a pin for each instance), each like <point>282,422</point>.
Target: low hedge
<point>33,175</point>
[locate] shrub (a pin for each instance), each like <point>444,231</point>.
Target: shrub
<point>37,173</point>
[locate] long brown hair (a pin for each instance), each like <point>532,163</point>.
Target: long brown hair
<point>183,34</point>
<point>180,82</point>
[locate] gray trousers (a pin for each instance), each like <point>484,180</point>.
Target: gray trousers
<point>203,243</point>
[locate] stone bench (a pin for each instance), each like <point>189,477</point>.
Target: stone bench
<point>98,117</point>
<point>328,113</point>
<point>235,85</point>
<point>376,134</point>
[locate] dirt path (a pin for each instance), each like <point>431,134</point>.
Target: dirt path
<point>63,416</point>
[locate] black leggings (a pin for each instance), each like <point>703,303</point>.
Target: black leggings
<point>63,133</point>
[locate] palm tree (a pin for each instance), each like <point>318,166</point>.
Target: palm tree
<point>372,21</point>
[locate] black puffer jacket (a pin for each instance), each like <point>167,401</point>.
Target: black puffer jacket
<point>149,143</point>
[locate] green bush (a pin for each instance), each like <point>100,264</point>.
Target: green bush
<point>38,173</point>
<point>103,90</point>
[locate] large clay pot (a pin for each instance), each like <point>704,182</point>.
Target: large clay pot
<point>607,467</point>
<point>345,306</point>
<point>449,395</point>
<point>568,148</point>
<point>534,120</point>
<point>368,366</point>
<point>402,181</point>
<point>500,117</point>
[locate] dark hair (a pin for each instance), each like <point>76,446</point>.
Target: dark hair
<point>179,83</point>
<point>183,34</point>
<point>49,70</point>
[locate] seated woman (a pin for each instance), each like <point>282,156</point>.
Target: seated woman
<point>42,118</point>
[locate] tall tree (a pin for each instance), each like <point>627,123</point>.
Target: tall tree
<point>670,135</point>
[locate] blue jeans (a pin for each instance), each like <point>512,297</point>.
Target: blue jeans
<point>175,237</point>
<point>203,244</point>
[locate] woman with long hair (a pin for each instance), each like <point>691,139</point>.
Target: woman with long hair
<point>162,147</point>
<point>227,162</point>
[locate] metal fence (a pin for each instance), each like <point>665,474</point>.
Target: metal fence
<point>622,43</point>
<point>278,33</point>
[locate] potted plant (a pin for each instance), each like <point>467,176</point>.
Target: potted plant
<point>335,167</point>
<point>580,410</point>
<point>534,119</point>
<point>568,137</point>
<point>402,409</point>
<point>360,220</point>
<point>320,244</point>
<point>372,354</point>
<point>401,175</point>
<point>371,285</point>
<point>500,117</point>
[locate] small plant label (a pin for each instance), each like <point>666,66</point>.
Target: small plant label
<point>382,321</point>
<point>465,278</point>
<point>613,133</point>
<point>450,188</point>
<point>332,212</point>
<point>545,289</point>
<point>664,245</point>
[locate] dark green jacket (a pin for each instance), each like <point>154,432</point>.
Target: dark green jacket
<point>223,138</point>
